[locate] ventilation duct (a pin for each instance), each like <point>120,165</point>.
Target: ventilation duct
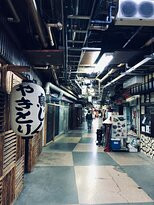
<point>49,86</point>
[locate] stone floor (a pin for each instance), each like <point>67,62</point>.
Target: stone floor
<point>73,171</point>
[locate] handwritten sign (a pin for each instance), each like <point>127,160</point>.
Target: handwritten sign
<point>27,107</point>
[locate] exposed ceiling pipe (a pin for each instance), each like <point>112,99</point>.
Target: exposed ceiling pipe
<point>65,37</point>
<point>58,25</point>
<point>50,35</point>
<point>15,15</point>
<point>54,76</point>
<point>130,70</point>
<point>40,68</point>
<point>49,86</point>
<point>149,42</point>
<point>108,19</point>
<point>129,40</point>
<point>99,28</point>
<point>78,84</point>
<point>67,90</point>
<point>37,21</point>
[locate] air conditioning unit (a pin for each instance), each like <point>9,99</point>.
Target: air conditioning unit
<point>135,13</point>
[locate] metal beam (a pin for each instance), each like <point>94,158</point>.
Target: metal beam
<point>71,61</point>
<point>74,49</point>
<point>89,23</point>
<point>77,31</point>
<point>71,41</point>
<point>74,56</point>
<point>130,70</point>
<point>15,68</point>
<point>78,17</point>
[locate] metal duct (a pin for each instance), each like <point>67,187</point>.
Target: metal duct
<point>37,21</point>
<point>62,92</point>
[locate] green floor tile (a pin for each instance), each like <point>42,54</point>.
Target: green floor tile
<point>86,140</point>
<point>84,159</point>
<point>49,186</point>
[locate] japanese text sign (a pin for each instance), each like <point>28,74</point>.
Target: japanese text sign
<point>27,107</point>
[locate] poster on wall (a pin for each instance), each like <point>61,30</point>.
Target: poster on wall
<point>119,129</point>
<point>142,110</point>
<point>143,128</point>
<point>148,129</point>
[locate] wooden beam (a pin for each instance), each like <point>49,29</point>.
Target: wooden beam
<point>15,68</point>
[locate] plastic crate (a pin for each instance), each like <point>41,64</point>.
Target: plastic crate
<point>115,144</point>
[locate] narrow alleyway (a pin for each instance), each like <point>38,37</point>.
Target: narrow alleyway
<point>73,170</point>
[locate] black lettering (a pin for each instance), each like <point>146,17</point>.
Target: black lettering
<point>28,129</point>
<point>20,129</point>
<point>23,103</point>
<point>39,115</point>
<point>41,100</point>
<point>36,130</point>
<point>22,116</point>
<point>25,89</point>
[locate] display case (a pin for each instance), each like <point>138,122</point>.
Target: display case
<point>147,114</point>
<point>146,87</point>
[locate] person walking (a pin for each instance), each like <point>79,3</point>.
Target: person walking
<point>89,119</point>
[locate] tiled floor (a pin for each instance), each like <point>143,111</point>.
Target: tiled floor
<point>75,171</point>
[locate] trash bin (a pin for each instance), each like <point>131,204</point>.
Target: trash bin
<point>99,137</point>
<point>115,144</point>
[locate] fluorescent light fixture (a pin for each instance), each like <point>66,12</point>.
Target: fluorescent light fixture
<point>103,62</point>
<point>90,70</point>
<point>132,98</point>
<point>107,75</point>
<point>88,58</point>
<point>86,70</point>
<point>120,65</point>
<point>91,49</point>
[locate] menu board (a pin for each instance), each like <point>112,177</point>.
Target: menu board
<point>119,129</point>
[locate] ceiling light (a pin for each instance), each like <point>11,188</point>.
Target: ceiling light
<point>91,49</point>
<point>120,65</point>
<point>103,62</point>
<point>88,58</point>
<point>85,70</point>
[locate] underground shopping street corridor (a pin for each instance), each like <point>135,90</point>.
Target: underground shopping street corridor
<point>73,170</point>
